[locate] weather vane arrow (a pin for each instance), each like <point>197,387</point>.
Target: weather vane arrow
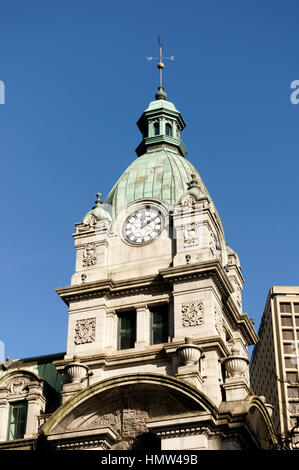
<point>161,94</point>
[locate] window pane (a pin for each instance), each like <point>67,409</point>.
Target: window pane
<point>126,330</point>
<point>157,128</point>
<point>285,308</point>
<point>293,392</point>
<point>168,130</point>
<point>292,377</point>
<point>296,308</point>
<point>17,420</point>
<point>288,334</point>
<point>291,362</point>
<point>288,348</point>
<point>294,408</point>
<point>159,323</point>
<point>297,321</point>
<point>286,321</point>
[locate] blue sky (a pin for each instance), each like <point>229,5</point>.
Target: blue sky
<point>76,81</point>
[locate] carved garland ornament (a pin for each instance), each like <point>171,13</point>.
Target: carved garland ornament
<point>85,331</point>
<point>17,386</point>
<point>192,313</point>
<point>89,255</point>
<point>189,201</point>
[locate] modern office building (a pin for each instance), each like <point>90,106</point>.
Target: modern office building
<point>274,366</point>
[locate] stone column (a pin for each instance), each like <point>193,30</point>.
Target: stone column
<point>142,327</point>
<point>4,416</point>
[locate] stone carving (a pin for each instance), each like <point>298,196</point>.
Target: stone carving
<point>236,365</point>
<point>215,246</point>
<point>191,235</point>
<point>189,354</point>
<point>134,422</point>
<point>89,222</point>
<point>85,331</point>
<point>192,313</point>
<point>17,386</point>
<point>89,255</point>
<point>238,291</point>
<point>218,320</point>
<point>189,201</point>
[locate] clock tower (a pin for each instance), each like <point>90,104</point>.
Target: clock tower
<point>157,340</point>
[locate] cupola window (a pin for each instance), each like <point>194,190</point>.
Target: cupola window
<point>156,128</point>
<point>168,129</point>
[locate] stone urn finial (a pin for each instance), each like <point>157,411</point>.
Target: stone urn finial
<point>235,364</point>
<point>76,371</point>
<point>189,354</point>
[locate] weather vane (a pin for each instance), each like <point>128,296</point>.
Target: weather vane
<point>161,94</point>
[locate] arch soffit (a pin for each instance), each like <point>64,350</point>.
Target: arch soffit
<point>167,382</point>
<point>258,404</point>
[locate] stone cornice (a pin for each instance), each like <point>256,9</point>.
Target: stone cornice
<point>149,354</point>
<point>111,288</point>
<point>201,270</point>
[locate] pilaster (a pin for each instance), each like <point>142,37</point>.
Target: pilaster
<point>143,324</point>
<point>4,416</point>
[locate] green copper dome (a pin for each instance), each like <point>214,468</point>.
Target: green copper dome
<point>160,174</point>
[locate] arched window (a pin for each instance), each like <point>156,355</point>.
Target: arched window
<point>156,128</point>
<point>168,129</point>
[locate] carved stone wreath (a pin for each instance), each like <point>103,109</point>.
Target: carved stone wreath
<point>85,331</point>
<point>192,313</point>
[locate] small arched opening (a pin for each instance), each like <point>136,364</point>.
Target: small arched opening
<point>168,129</point>
<point>156,128</point>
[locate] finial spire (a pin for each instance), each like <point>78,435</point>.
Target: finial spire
<point>160,95</point>
<point>98,202</point>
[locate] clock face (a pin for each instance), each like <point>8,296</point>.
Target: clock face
<point>143,225</point>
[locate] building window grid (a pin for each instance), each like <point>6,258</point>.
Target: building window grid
<point>290,334</point>
<point>289,323</point>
